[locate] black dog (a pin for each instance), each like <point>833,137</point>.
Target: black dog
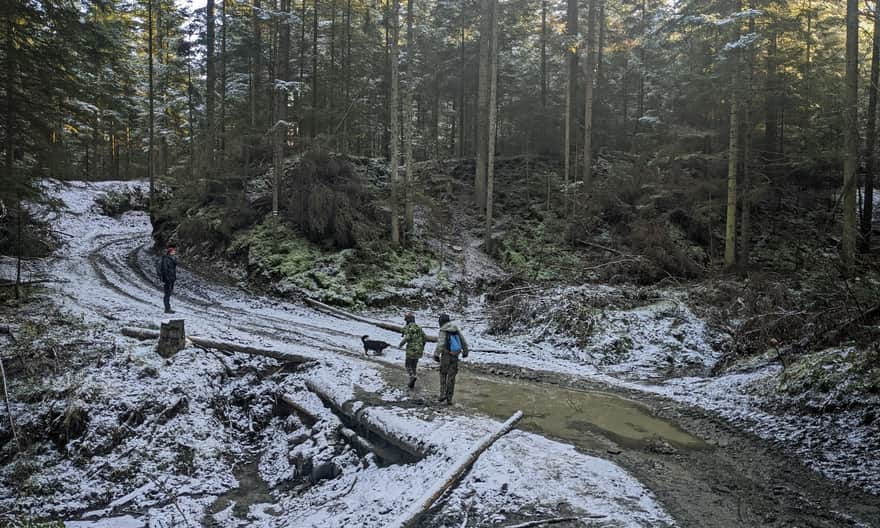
<point>376,346</point>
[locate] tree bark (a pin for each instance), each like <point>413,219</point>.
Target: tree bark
<point>745,233</point>
<point>279,127</point>
<point>493,121</point>
<point>771,118</point>
<point>483,106</point>
<point>211,83</point>
<point>851,139</point>
<point>571,87</point>
<point>395,133</point>
<point>408,118</point>
<point>314,111</point>
<point>871,135</point>
<point>588,95</point>
<point>733,157</point>
<point>151,97</point>
<point>543,53</point>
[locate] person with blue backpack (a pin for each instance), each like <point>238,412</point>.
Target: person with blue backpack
<point>451,345</point>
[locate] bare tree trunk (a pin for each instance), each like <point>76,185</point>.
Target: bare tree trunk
<point>151,97</point>
<point>483,106</point>
<point>543,53</point>
<point>222,125</point>
<point>571,87</point>
<point>588,95</point>
<point>871,136</point>
<point>493,121</point>
<point>732,158</point>
<point>211,83</point>
<point>314,112</point>
<point>279,127</point>
<point>771,117</point>
<point>407,116</point>
<point>395,133</point>
<point>851,138</point>
<point>461,76</point>
<point>745,233</point>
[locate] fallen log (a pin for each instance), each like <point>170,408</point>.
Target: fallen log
<point>143,334</point>
<point>348,315</point>
<point>555,520</point>
<point>293,404</point>
<point>453,475</point>
<point>12,284</point>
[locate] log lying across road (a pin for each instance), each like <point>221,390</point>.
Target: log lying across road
<point>144,333</point>
<point>453,475</point>
<point>382,324</point>
<point>348,315</point>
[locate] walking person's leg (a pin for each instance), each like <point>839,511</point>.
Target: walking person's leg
<point>411,364</point>
<point>444,371</point>
<point>450,379</point>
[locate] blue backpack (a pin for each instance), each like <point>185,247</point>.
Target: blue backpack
<point>453,342</point>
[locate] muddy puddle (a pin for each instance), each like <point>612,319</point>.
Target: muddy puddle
<point>570,415</point>
<point>251,490</point>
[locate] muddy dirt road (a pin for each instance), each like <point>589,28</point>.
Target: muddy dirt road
<point>705,472</point>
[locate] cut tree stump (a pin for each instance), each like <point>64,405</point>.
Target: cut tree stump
<point>453,475</point>
<point>172,337</point>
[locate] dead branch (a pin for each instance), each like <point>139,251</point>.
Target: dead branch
<point>13,284</point>
<point>348,315</point>
<point>9,406</point>
<point>604,248</point>
<point>555,520</point>
<point>454,474</point>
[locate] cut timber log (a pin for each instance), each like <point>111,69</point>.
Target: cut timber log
<point>348,315</point>
<point>144,334</point>
<point>30,282</point>
<point>453,475</point>
<point>172,337</point>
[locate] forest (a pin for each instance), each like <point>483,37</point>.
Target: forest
<point>670,203</point>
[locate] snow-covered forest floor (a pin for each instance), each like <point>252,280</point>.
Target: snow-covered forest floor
<point>122,437</point>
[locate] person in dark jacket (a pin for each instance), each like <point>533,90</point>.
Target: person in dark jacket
<point>450,345</point>
<point>168,274</point>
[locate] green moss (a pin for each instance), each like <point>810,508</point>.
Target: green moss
<point>279,252</point>
<point>538,252</point>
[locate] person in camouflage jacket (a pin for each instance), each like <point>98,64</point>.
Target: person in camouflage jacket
<point>414,339</point>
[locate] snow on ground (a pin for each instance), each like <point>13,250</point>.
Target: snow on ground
<point>173,428</point>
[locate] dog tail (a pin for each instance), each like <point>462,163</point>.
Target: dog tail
<point>364,338</point>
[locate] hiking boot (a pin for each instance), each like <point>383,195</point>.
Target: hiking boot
<point>412,383</point>
<point>169,311</point>
<point>441,399</point>
<point>447,401</point>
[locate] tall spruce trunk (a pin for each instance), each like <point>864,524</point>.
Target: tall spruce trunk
<point>493,122</point>
<point>571,88</point>
<point>395,132</point>
<point>745,231</point>
<point>483,106</point>
<point>408,118</point>
<point>871,135</point>
<point>151,96</point>
<point>211,83</point>
<point>279,127</point>
<point>588,94</point>
<point>313,131</point>
<point>851,136</point>
<point>733,156</point>
<point>543,53</point>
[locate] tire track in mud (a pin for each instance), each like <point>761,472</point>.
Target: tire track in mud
<point>740,481</point>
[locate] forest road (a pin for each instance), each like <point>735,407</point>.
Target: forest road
<point>706,472</point>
